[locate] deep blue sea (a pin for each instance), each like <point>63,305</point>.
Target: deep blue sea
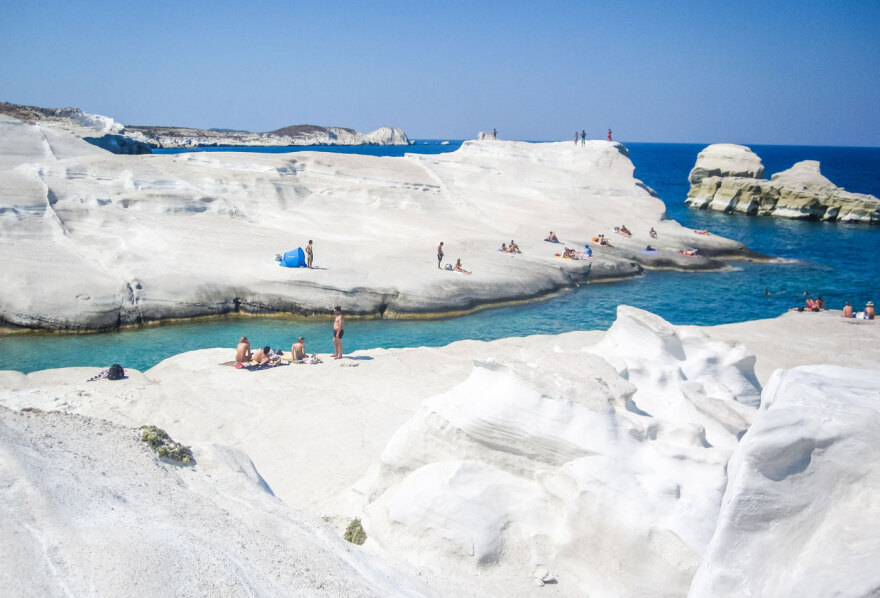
<point>837,261</point>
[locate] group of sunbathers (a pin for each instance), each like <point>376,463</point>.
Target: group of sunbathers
<point>512,248</point>
<point>571,254</point>
<point>622,230</point>
<point>267,357</point>
<point>868,314</point>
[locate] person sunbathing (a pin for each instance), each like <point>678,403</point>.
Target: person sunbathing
<point>243,351</point>
<point>298,349</point>
<point>702,232</point>
<point>603,241</point>
<point>653,233</point>
<point>624,230</point>
<point>569,253</point>
<point>458,267</point>
<point>504,248</point>
<point>513,247</point>
<point>261,357</point>
<point>689,252</point>
<point>847,311</point>
<point>552,238</point>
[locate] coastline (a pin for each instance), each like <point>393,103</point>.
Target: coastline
<point>129,240</point>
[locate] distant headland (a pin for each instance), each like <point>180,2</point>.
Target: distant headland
<point>105,132</point>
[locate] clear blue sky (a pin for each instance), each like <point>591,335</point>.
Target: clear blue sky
<point>768,72</point>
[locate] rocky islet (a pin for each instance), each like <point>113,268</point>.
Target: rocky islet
<point>730,178</point>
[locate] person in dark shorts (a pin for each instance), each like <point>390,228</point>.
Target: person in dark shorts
<point>309,254</point>
<point>439,254</point>
<point>337,332</point>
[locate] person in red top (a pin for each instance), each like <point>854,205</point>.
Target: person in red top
<point>609,134</point>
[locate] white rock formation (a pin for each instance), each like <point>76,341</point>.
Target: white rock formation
<point>730,178</point>
<point>89,509</point>
<point>610,475</point>
<point>98,130</point>
<point>91,240</point>
<point>800,515</point>
<point>182,137</point>
<point>726,160</point>
<point>598,458</point>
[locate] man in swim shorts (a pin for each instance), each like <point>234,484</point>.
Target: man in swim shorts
<point>309,254</point>
<point>439,254</point>
<point>337,332</point>
<point>847,311</point>
<point>869,311</point>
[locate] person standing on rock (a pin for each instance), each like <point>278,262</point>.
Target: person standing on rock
<point>583,137</point>
<point>609,134</point>
<point>576,137</point>
<point>495,134</point>
<point>439,254</point>
<point>309,254</point>
<point>337,332</point>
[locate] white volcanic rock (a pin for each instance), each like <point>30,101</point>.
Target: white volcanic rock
<point>610,476</point>
<point>101,131</point>
<point>182,137</point>
<point>92,240</point>
<point>800,515</point>
<point>726,160</point>
<point>725,179</point>
<point>598,457</point>
<point>89,509</point>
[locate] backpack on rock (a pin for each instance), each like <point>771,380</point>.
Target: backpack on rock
<point>115,372</point>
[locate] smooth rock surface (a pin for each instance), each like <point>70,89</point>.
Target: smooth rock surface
<point>726,160</point>
<point>89,510</point>
<point>729,178</point>
<point>800,515</point>
<point>600,457</point>
<point>92,240</point>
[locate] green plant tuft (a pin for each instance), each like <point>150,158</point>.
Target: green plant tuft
<point>354,533</point>
<point>160,442</point>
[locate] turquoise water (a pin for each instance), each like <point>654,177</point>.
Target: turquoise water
<point>836,261</point>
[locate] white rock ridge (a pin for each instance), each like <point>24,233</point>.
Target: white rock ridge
<point>92,240</point>
<point>182,137</point>
<point>730,178</point>
<point>98,130</point>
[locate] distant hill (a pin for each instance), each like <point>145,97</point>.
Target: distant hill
<point>301,130</point>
